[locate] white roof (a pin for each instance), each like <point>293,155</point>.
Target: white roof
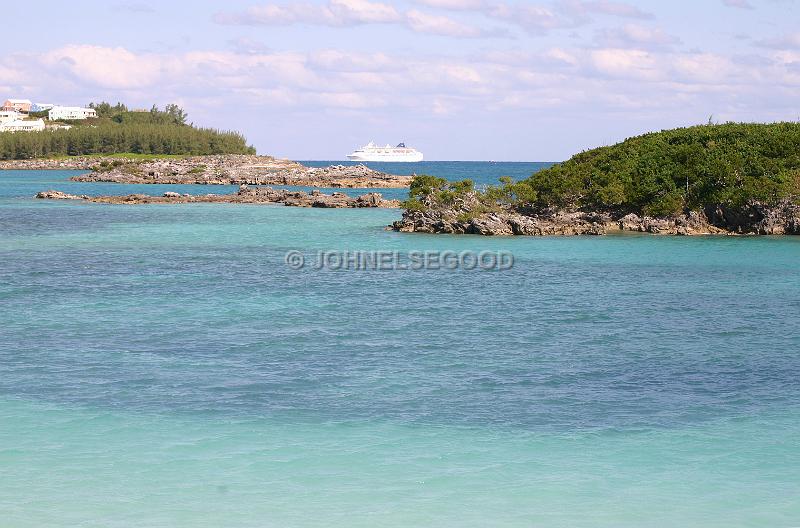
<point>73,108</point>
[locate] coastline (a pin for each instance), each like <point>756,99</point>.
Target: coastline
<point>751,219</point>
<point>468,214</point>
<point>224,169</point>
<point>71,163</point>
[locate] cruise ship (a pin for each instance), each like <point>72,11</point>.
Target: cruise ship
<point>372,152</point>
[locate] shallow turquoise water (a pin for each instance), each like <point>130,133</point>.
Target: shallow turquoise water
<point>160,366</point>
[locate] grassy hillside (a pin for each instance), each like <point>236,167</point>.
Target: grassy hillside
<point>117,130</point>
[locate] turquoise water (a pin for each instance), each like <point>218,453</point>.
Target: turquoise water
<point>160,366</point>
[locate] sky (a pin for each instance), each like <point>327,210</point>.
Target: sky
<point>458,79</point>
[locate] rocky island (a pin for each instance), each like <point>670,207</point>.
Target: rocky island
<point>238,169</point>
<point>161,146</point>
<point>717,179</point>
<point>222,169</point>
<point>245,195</point>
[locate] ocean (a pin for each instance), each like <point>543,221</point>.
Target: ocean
<point>481,172</point>
<point>162,366</point>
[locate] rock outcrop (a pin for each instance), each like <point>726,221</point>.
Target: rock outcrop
<point>502,223</point>
<point>58,195</point>
<point>72,163</point>
<point>245,195</point>
<point>757,218</point>
<point>467,217</point>
<point>239,170</point>
<point>227,169</point>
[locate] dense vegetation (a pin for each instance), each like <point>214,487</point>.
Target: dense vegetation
<point>658,174</point>
<point>119,113</point>
<point>119,130</point>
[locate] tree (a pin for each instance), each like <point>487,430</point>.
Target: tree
<point>177,114</point>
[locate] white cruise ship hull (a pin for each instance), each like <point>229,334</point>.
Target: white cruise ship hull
<point>386,158</point>
<point>388,154</point>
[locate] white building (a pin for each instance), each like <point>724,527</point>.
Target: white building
<point>9,115</point>
<point>71,112</point>
<point>20,125</point>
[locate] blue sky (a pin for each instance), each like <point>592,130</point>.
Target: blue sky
<point>458,79</point>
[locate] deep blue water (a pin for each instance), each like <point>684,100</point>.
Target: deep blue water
<point>481,172</point>
<point>161,366</point>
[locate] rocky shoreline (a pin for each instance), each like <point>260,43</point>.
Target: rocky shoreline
<point>751,219</point>
<point>72,163</point>
<point>245,195</point>
<point>226,169</point>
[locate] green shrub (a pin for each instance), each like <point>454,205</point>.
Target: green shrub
<point>510,193</point>
<point>442,191</point>
<point>412,204</point>
<point>667,172</point>
<point>424,185</point>
<point>658,174</point>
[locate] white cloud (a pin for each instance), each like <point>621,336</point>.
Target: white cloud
<point>341,13</point>
<point>107,67</point>
<point>345,100</point>
<point>7,73</point>
<point>562,56</point>
<point>607,7</point>
<point>364,11</point>
<point>340,61</point>
<point>334,71</point>
<point>274,15</point>
<point>635,36</point>
<point>334,13</point>
<point>741,4</point>
<point>533,18</point>
<point>626,63</point>
<point>537,18</point>
<point>572,8</point>
<point>704,68</point>
<point>421,22</point>
<point>455,5</point>
<point>785,42</point>
<point>518,84</point>
<point>461,73</point>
